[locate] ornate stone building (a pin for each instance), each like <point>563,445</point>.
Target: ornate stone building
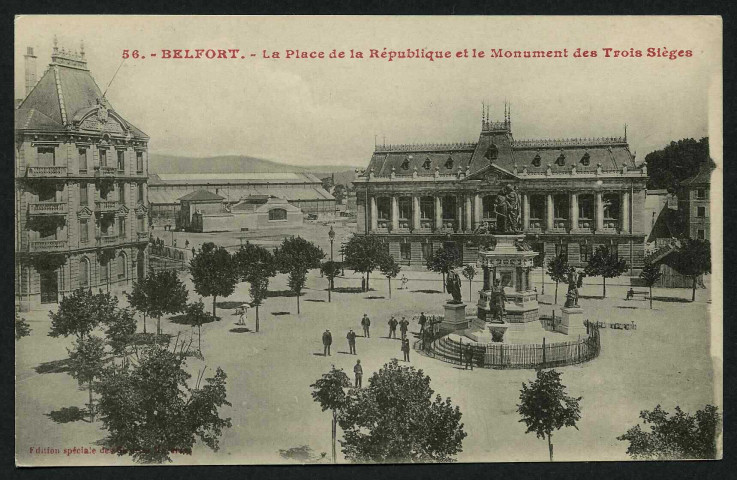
<point>575,194</point>
<point>80,202</point>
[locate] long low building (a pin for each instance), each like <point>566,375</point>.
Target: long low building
<point>302,190</point>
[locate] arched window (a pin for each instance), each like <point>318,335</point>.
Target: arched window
<point>536,161</point>
<point>561,160</point>
<point>427,164</point>
<point>277,214</point>
<point>586,159</point>
<point>492,152</point>
<point>405,164</point>
<point>449,163</point>
<point>84,273</point>
<point>122,266</point>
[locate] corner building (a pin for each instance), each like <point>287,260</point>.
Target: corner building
<point>81,216</point>
<point>576,194</point>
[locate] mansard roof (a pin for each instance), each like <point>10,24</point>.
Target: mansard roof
<point>497,146</point>
<point>65,94</point>
<point>702,177</point>
<point>202,196</point>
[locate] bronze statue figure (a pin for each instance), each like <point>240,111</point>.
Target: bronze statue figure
<point>507,210</point>
<point>574,280</point>
<point>453,286</point>
<point>497,298</point>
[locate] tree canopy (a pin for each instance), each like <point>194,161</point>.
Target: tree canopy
<point>151,411</point>
<point>692,258</point>
<point>558,269</point>
<point>675,437</point>
<point>605,264</point>
<point>214,273</point>
<point>443,260</point>
<point>295,257</point>
<point>81,312</point>
<point>676,162</point>
<point>22,329</point>
<point>364,253</point>
<point>396,419</point>
<point>160,293</point>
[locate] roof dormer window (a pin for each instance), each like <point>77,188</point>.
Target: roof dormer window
<point>536,161</point>
<point>561,160</point>
<point>405,164</point>
<point>427,164</point>
<point>449,163</point>
<point>492,152</point>
<point>586,159</point>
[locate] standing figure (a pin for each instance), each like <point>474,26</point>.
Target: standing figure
<point>572,294</point>
<point>422,322</point>
<point>358,371</point>
<point>327,340</point>
<point>404,282</point>
<point>469,356</point>
<point>497,300</point>
<point>392,327</point>
<point>403,327</point>
<point>453,286</point>
<point>366,323</point>
<point>405,349</point>
<point>514,216</point>
<point>351,341</point>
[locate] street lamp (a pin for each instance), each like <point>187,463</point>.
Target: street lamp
<point>342,261</point>
<point>331,235</point>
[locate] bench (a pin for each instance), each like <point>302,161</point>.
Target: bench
<point>632,293</point>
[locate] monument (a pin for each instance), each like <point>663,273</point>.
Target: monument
<point>572,321</point>
<point>455,309</point>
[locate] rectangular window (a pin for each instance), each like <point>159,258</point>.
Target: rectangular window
<point>121,160</point>
<point>83,198</point>
<point>561,207</point>
<point>586,207</point>
<point>103,157</point>
<point>141,224</point>
<point>427,208</point>
<point>121,193</point>
<point>701,194</point>
<point>139,162</point>
<point>104,271</point>
<point>82,160</point>
<point>405,208</point>
<point>537,206</point>
<point>121,228</point>
<point>405,251</point>
<point>586,252</point>
<point>701,235</point>
<point>383,205</point>
<point>140,192</point>
<point>701,212</point>
<point>561,249</point>
<point>46,156</point>
<point>84,231</point>
<point>426,250</point>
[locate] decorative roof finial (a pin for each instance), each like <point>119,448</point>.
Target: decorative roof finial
<point>56,44</point>
<point>81,48</point>
<point>625,132</point>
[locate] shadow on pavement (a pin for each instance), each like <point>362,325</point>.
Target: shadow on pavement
<point>231,304</point>
<point>671,299</point>
<point>314,300</point>
<point>54,366</point>
<point>373,297</point>
<point>240,330</point>
<point>68,414</point>
<point>279,313</point>
<point>280,293</point>
<point>425,291</point>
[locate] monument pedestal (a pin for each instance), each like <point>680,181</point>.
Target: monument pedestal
<point>480,332</point>
<point>455,316</point>
<point>571,322</point>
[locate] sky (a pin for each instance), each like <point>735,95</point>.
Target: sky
<point>329,111</point>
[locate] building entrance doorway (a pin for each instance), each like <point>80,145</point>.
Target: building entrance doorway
<point>49,287</point>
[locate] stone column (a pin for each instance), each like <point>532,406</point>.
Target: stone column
<point>525,212</point>
<point>468,214</point>
<point>459,213</point>
<point>624,209</point>
<point>395,213</point>
<point>599,212</point>
<point>477,210</point>
<point>438,213</point>
<point>574,211</point>
<point>486,277</point>
<point>415,212</point>
<point>550,212</point>
<point>374,215</point>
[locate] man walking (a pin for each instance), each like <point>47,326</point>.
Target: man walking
<point>392,327</point>
<point>351,341</point>
<point>403,327</point>
<point>405,349</point>
<point>366,323</point>
<point>327,340</point>
<point>469,356</point>
<point>422,322</point>
<point>358,371</point>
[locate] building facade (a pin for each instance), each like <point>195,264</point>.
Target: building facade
<point>576,194</point>
<point>693,202</point>
<point>81,216</point>
<point>302,190</point>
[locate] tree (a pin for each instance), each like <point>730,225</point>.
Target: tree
<point>677,437</point>
<point>150,410</point>
<point>558,269</point>
<point>339,192</point>
<point>363,253</point>
<point>395,420</point>
<point>545,407</point>
<point>86,362</point>
<point>469,271</point>
<point>390,269</point>
<point>197,316</point>
<point>81,312</point>
<point>605,264</point>
<point>295,256</point>
<point>692,259</point>
<point>329,392</point>
<point>160,293</point>
<point>22,329</point>
<point>330,270</point>
<point>443,260</point>
<point>120,330</point>
<point>138,298</point>
<point>255,265</point>
<point>676,162</point>
<point>650,274</point>
<point>214,273</point>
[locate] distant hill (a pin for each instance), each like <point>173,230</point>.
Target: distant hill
<point>160,163</point>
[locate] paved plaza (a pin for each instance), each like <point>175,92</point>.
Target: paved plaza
<point>269,372</point>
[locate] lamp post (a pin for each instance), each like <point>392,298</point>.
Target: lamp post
<point>331,235</point>
<point>342,261</point>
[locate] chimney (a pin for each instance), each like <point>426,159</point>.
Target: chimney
<point>30,70</point>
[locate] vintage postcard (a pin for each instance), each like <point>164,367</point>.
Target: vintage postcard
<point>300,240</point>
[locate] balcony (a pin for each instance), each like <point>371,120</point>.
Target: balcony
<point>47,172</point>
<point>560,224</point>
<point>142,236</point>
<point>536,225</point>
<point>106,205</point>
<point>585,224</point>
<point>610,224</point>
<point>47,245</point>
<point>426,224</point>
<point>104,171</point>
<point>47,208</point>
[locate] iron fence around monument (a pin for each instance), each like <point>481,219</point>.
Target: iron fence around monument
<point>543,355</point>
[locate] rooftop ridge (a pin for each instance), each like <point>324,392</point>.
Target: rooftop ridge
<point>570,142</point>
<point>422,147</point>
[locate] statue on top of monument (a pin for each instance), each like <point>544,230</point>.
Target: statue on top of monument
<point>453,286</point>
<point>507,210</point>
<point>574,281</point>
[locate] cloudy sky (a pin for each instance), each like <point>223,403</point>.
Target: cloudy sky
<point>328,111</point>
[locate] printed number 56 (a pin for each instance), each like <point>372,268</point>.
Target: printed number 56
<point>133,54</point>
